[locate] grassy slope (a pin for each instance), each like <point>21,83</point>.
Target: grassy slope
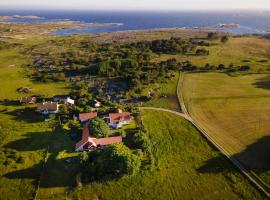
<point>12,77</point>
<point>187,168</point>
<point>25,132</point>
<point>237,51</point>
<point>169,89</point>
<point>236,112</point>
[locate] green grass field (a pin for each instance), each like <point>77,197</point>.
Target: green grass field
<point>13,76</point>
<point>236,113</point>
<point>187,168</point>
<point>169,90</point>
<point>251,51</point>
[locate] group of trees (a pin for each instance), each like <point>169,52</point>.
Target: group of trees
<point>112,162</point>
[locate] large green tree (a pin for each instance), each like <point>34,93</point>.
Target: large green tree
<point>114,161</point>
<point>99,128</point>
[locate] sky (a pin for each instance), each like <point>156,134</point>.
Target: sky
<point>138,4</point>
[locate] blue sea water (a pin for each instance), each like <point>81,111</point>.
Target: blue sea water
<point>249,22</point>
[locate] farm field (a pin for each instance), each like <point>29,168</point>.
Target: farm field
<point>186,168</point>
<point>235,111</point>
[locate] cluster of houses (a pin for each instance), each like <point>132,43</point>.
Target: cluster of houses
<point>114,120</point>
<point>88,142</point>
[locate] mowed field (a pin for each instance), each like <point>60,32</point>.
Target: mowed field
<point>235,111</point>
<point>187,167</point>
<point>247,50</point>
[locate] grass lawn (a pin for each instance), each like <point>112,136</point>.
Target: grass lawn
<point>24,132</point>
<point>13,76</point>
<point>168,89</point>
<point>246,50</point>
<point>236,112</point>
<point>186,168</point>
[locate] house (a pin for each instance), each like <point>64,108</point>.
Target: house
<point>48,108</point>
<point>118,120</point>
<point>91,143</point>
<point>95,103</point>
<point>69,101</point>
<point>28,100</point>
<point>85,117</point>
<point>59,98</point>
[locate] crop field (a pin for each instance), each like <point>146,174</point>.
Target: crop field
<point>235,111</point>
<point>186,168</point>
<point>247,50</point>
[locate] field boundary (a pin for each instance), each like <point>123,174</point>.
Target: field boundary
<point>251,176</point>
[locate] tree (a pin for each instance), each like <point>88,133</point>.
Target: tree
<point>224,39</point>
<point>99,128</point>
<point>74,125</point>
<point>212,35</point>
<point>114,161</point>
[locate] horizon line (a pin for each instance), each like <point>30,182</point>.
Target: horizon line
<point>130,9</point>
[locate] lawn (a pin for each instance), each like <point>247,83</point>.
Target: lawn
<point>13,76</point>
<point>24,136</point>
<point>166,97</point>
<point>235,111</point>
<point>186,168</point>
<point>246,50</point>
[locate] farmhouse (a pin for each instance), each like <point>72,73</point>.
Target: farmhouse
<point>48,108</point>
<point>118,120</point>
<point>69,101</point>
<point>91,143</point>
<point>64,99</point>
<point>85,117</point>
<point>28,100</point>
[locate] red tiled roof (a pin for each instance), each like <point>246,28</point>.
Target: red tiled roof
<point>47,106</point>
<point>87,116</point>
<point>101,141</point>
<point>116,117</point>
<point>108,140</point>
<point>85,136</point>
<point>28,100</point>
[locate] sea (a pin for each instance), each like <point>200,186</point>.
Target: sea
<point>242,22</point>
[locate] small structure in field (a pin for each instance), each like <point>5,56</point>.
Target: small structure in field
<point>70,102</point>
<point>28,100</point>
<point>95,103</point>
<point>85,117</point>
<point>91,143</point>
<point>48,108</point>
<point>118,120</point>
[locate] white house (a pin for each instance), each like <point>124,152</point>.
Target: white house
<point>91,143</point>
<point>69,101</point>
<point>118,120</point>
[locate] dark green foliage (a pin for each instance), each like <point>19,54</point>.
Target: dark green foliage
<point>212,35</point>
<point>115,161</point>
<point>99,128</point>
<point>224,39</point>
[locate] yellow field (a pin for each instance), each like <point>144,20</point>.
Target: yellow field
<point>236,113</point>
